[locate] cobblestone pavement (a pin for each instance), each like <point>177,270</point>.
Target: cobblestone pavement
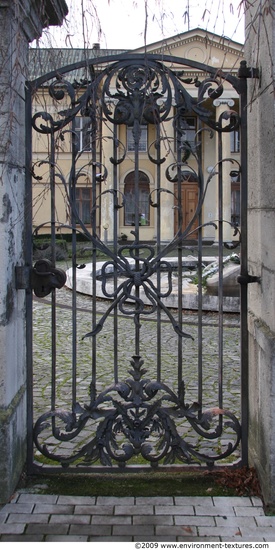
<point>35,518</point>
<point>126,345</point>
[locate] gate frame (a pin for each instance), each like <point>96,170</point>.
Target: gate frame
<point>240,85</point>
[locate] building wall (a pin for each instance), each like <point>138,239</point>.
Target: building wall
<point>15,33</point>
<point>261,253</point>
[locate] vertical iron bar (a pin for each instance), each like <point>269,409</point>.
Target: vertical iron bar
<point>94,252</point>
<point>200,332</point>
<point>136,130</point>
<point>28,257</point>
<point>115,237</point>
<point>53,258</point>
<point>181,206</point>
<point>220,254</point>
<point>158,251</point>
<point>74,262</point>
<point>243,271</point>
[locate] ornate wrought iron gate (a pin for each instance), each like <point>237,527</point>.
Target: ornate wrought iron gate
<point>84,409</point>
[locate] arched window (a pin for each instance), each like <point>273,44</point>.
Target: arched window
<point>141,204</point>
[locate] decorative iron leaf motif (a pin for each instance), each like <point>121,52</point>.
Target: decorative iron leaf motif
<point>144,420</point>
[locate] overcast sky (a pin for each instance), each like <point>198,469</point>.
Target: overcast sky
<point>120,24</point>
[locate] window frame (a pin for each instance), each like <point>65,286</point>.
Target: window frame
<point>83,134</point>
<point>184,138</point>
<point>143,139</point>
<point>235,203</point>
<point>235,141</point>
<point>79,202</point>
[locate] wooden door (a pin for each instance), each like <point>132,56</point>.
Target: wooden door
<point>189,201</point>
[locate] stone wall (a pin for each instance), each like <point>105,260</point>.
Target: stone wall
<point>259,51</point>
<point>20,23</point>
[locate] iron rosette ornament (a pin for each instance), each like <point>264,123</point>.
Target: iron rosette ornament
<point>138,417</point>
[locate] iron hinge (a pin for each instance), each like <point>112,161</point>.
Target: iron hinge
<point>42,278</point>
<point>247,279</point>
<point>248,72</point>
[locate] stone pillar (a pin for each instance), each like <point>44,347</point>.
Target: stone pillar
<point>260,53</point>
<point>20,23</point>
<point>223,104</point>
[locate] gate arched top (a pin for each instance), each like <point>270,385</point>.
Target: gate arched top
<point>140,88</point>
<point>213,72</point>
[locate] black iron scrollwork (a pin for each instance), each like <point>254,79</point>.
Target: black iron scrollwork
<point>136,277</point>
<point>137,417</point>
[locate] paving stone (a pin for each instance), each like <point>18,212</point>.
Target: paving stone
<point>248,521</point>
<point>133,530</point>
<point>153,520</point>
<point>91,530</point>
<point>70,518</point>
<point>34,498</point>
<point>47,529</point>
<point>240,539</point>
<point>265,521</point>
<point>66,538</point>
<point>110,539</point>
<point>76,500</point>
<point>176,531</point>
<point>246,511</point>
<point>268,537</point>
<point>213,511</point>
<point>264,532</point>
<point>232,501</point>
<point>256,501</point>
<point>167,501</point>
<point>140,519</point>
<point>216,531</point>
<point>53,509</point>
<point>22,538</point>
<point>155,538</point>
<point>177,510</point>
<point>17,508</point>
<point>134,510</point>
<point>100,510</point>
<point>195,520</point>
<point>190,501</point>
<point>28,518</point>
<point>123,501</point>
<point>12,529</point>
<point>3,517</point>
<point>111,520</point>
<point>200,539</point>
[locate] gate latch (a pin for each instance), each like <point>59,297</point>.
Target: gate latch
<point>246,279</point>
<point>42,278</point>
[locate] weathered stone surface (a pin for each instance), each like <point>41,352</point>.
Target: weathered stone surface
<point>261,252</point>
<point>230,286</point>
<point>20,23</point>
<point>190,300</point>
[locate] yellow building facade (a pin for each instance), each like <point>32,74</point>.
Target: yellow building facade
<point>97,161</point>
